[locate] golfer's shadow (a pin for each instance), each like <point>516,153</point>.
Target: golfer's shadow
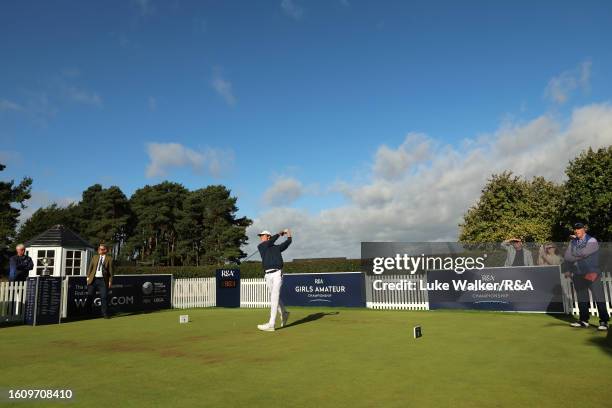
<point>310,318</point>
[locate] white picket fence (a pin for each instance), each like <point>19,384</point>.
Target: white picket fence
<point>12,301</point>
<point>254,293</point>
<point>572,302</point>
<point>201,292</point>
<point>396,299</point>
<point>194,292</point>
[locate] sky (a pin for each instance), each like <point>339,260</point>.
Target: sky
<point>344,120</point>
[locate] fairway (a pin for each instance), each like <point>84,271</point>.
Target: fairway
<point>324,358</point>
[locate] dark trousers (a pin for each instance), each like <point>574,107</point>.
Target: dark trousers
<point>582,287</point>
<point>100,284</point>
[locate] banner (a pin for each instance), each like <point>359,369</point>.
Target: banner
<point>324,289</point>
<point>520,288</point>
<point>129,293</point>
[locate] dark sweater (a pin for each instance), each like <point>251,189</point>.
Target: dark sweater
<point>271,257</point>
<point>22,266</point>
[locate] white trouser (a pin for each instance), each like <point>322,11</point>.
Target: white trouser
<point>274,281</point>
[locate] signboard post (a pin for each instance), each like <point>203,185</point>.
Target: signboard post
<point>228,287</point>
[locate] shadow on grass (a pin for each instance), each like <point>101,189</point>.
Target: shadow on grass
<point>94,316</point>
<point>310,318</point>
<point>604,343</point>
<point>563,317</point>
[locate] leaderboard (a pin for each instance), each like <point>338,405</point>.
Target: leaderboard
<point>43,300</point>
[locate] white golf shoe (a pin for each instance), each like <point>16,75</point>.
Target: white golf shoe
<point>265,327</point>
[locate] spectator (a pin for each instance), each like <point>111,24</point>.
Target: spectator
<point>20,265</point>
<point>100,276</point>
<point>583,253</point>
<point>516,254</point>
<point>548,255</point>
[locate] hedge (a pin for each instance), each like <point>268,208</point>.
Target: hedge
<point>247,269</point>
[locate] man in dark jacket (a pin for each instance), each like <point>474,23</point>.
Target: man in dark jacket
<point>272,262</point>
<point>20,265</point>
<point>583,254</point>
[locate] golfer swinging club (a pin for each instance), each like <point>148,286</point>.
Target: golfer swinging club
<point>272,262</point>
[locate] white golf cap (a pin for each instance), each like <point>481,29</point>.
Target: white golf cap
<point>264,232</point>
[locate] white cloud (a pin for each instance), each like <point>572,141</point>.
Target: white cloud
<point>7,105</point>
<point>426,202</point>
<point>10,157</point>
<point>164,156</point>
<point>224,89</point>
<point>36,106</point>
<point>391,163</point>
<point>292,9</point>
<point>83,96</point>
<point>41,199</point>
<point>285,191</point>
<point>42,105</point>
<point>560,88</point>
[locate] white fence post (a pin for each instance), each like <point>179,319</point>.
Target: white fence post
<point>193,292</point>
<point>396,299</point>
<point>254,293</point>
<point>12,301</point>
<point>606,280</point>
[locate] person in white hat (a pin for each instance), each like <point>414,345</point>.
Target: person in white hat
<point>272,262</point>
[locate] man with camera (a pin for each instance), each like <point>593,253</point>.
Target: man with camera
<point>272,262</point>
<point>516,254</point>
<point>583,255</point>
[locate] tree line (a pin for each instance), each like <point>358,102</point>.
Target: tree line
<point>167,224</point>
<point>540,210</point>
<point>162,224</point>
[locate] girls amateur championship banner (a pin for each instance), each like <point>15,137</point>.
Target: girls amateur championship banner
<point>324,289</point>
<point>518,288</point>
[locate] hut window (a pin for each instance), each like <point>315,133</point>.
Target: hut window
<point>41,255</point>
<point>73,263</point>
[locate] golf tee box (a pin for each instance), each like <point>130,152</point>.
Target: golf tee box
<point>184,319</point>
<point>228,287</point>
<point>417,332</point>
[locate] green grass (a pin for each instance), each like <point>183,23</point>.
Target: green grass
<point>355,358</point>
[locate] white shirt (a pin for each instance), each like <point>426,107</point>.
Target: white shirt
<point>100,266</point>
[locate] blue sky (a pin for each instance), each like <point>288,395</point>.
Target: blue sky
<point>290,103</point>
